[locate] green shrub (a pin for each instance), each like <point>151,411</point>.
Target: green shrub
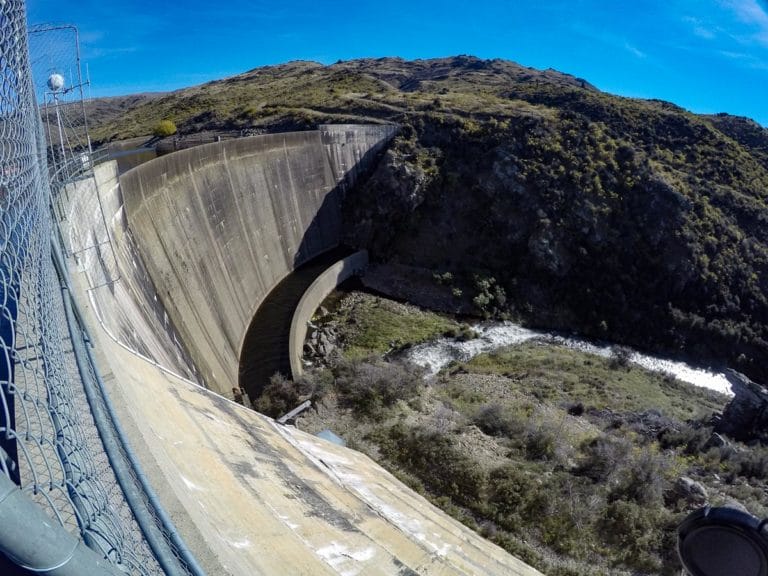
<point>164,128</point>
<point>491,298</point>
<point>520,550</point>
<point>641,479</point>
<point>541,443</point>
<point>279,396</point>
<point>462,332</point>
<point>620,357</point>
<point>497,421</point>
<point>282,395</point>
<point>602,456</point>
<point>371,386</point>
<point>752,463</point>
<point>690,438</point>
<point>510,491</point>
<point>318,382</point>
<point>444,278</point>
<point>434,459</point>
<point>635,533</point>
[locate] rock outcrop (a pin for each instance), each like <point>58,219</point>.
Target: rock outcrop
<point>745,418</point>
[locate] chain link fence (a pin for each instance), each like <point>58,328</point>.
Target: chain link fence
<point>60,93</point>
<point>59,440</point>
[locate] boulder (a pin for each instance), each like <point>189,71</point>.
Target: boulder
<point>715,441</point>
<point>690,490</point>
<point>745,418</point>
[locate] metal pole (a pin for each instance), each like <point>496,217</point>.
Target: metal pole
<point>8,447</point>
<point>61,130</point>
<point>38,545</point>
<point>9,293</point>
<point>82,101</point>
<point>48,131</point>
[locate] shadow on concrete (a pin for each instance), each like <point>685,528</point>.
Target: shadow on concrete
<point>266,345</point>
<point>265,348</point>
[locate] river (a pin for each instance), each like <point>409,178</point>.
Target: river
<point>437,354</point>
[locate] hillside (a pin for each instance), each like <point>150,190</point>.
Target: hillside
<point>547,200</point>
<point>302,94</point>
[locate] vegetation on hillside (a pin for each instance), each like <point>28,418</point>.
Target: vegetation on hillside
<point>614,218</point>
<point>373,325</point>
<point>620,218</point>
<point>578,464</point>
<point>300,95</point>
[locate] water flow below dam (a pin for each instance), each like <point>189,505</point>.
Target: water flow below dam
<point>439,353</point>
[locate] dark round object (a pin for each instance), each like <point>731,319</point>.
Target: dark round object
<point>723,542</point>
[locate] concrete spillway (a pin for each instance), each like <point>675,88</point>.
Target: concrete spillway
<point>199,239</point>
<point>266,347</point>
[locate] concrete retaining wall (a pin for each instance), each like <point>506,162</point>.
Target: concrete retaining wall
<point>313,297</point>
<point>218,226</point>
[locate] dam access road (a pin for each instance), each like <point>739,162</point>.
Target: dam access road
<point>170,262</point>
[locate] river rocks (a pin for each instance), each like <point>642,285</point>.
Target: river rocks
<point>745,418</point>
<point>546,251</point>
<point>321,343</point>
<point>649,423</point>
<point>416,286</point>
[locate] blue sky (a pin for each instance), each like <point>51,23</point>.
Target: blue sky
<point>705,55</point>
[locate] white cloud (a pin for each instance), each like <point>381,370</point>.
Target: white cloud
<point>94,52</point>
<point>753,13</point>
<point>744,60</point>
<point>607,38</point>
<point>634,51</point>
<point>702,32</point>
<point>700,29</point>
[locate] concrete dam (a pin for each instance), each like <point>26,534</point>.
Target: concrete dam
<point>172,261</point>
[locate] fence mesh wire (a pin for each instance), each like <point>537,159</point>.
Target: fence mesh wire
<point>50,444</point>
<point>59,91</point>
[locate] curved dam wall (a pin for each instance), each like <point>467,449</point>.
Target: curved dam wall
<point>247,495</point>
<point>112,267</point>
<point>218,226</point>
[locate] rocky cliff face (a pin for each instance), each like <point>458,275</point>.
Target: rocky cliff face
<point>647,231</point>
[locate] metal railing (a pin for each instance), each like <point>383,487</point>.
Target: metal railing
<point>72,497</point>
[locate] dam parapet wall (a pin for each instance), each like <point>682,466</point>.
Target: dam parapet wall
<point>108,257</point>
